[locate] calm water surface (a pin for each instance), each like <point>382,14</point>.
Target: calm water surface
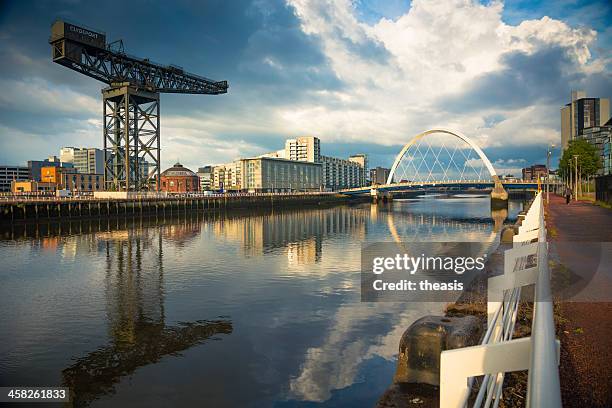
<point>237,309</point>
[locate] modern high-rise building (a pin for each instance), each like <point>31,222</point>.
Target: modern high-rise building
<point>582,113</point>
<point>84,159</point>
<point>601,138</point>
<point>307,148</point>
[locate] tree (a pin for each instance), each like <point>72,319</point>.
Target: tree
<point>588,159</point>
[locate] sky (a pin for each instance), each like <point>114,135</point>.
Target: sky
<point>363,76</point>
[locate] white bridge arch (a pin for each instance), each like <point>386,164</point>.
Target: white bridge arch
<point>458,135</point>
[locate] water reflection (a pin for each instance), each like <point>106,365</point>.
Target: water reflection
<point>135,312</point>
<point>107,298</point>
<point>300,232</point>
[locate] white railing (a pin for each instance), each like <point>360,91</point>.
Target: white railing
<point>526,263</point>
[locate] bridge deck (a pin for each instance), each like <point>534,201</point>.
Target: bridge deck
<point>478,184</point>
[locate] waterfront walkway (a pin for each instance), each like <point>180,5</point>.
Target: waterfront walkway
<point>585,327</point>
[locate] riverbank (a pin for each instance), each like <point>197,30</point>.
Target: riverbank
<point>34,210</point>
<point>584,327</point>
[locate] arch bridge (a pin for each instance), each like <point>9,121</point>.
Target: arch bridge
<point>442,159</point>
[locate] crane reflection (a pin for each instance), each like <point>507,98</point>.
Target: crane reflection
<point>138,332</point>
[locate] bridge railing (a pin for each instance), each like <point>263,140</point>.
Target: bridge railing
<point>526,263</point>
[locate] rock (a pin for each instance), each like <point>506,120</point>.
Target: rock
<point>410,395</point>
<point>507,234</point>
<point>425,339</point>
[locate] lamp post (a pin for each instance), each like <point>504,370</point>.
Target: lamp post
<point>548,154</point>
<point>576,177</point>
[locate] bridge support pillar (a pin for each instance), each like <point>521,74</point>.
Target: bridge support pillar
<point>499,196</point>
<point>380,196</point>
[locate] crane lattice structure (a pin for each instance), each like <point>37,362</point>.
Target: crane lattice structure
<point>131,101</point>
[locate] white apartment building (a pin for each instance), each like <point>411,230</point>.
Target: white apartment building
<point>339,173</point>
<point>362,160</point>
<point>205,174</point>
<point>307,148</point>
<point>267,174</point>
<point>227,176</point>
<point>335,173</point>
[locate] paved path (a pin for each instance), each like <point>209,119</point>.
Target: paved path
<point>586,327</point>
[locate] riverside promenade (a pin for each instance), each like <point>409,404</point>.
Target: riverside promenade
<point>585,328</point>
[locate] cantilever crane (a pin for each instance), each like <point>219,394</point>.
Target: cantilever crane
<point>131,101</point>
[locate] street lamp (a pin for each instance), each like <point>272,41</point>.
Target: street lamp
<point>548,154</point>
<point>576,177</point>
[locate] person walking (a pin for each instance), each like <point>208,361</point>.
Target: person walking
<point>568,194</point>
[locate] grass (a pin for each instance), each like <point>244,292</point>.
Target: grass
<point>603,204</point>
<point>584,196</point>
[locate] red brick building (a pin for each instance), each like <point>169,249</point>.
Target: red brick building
<point>179,179</point>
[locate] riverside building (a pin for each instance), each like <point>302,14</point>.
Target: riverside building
<point>205,175</point>
<point>336,173</point>
<point>179,179</point>
<point>601,138</point>
<point>84,159</point>
<point>298,167</point>
<point>379,175</point>
<point>581,114</point>
<point>8,174</point>
<point>267,174</point>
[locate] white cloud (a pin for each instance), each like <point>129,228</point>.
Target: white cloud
<point>395,77</point>
<point>435,50</point>
<point>36,95</point>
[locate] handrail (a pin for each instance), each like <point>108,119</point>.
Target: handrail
<point>498,353</point>
<point>543,389</point>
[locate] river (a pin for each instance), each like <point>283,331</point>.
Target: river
<point>226,309</point>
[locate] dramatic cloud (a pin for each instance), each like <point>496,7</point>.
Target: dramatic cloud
<point>364,76</point>
<point>453,64</point>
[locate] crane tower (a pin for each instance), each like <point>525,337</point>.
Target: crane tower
<point>130,101</point>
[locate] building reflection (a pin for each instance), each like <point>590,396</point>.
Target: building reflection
<point>299,233</point>
<point>134,291</point>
